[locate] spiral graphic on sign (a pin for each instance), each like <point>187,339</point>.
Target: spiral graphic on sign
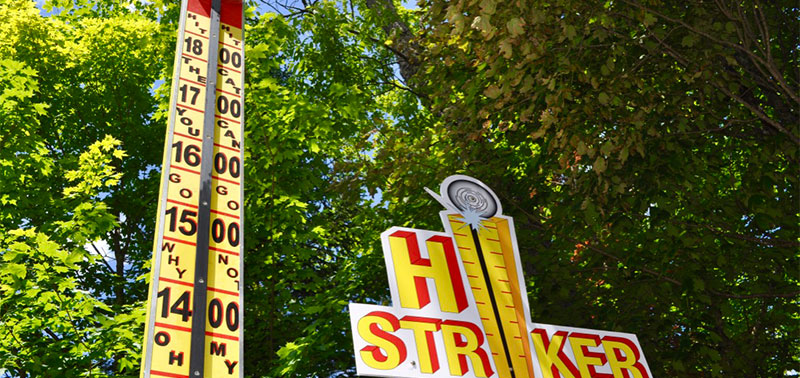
<point>472,196</point>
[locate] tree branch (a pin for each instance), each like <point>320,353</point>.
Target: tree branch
<point>536,225</point>
<point>103,257</point>
<point>770,67</point>
<point>52,334</point>
<point>758,112</point>
<point>791,294</point>
<point>409,64</point>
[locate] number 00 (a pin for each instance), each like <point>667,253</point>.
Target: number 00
<point>231,315</point>
<point>224,105</point>
<point>222,164</point>
<point>218,232</point>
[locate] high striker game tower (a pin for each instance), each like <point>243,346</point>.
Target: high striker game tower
<point>194,313</point>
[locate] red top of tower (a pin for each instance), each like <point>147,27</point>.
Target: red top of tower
<point>231,13</point>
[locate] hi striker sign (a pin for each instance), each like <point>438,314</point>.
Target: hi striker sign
<point>194,316</point>
<point>460,306</point>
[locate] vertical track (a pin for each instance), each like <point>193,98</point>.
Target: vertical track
<point>485,270</point>
<point>197,355</point>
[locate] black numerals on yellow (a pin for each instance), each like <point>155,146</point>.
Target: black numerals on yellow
<point>219,232</point>
<point>224,106</point>
<point>194,46</point>
<point>188,224</point>
<point>225,57</point>
<point>222,164</point>
<point>185,89</point>
<point>230,315</point>
<point>180,307</point>
<point>190,154</point>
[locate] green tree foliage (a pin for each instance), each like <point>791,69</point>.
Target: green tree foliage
<point>75,87</point>
<point>50,326</point>
<point>647,150</point>
<point>318,87</point>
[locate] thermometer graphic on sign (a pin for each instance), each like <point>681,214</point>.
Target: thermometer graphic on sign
<point>487,244</point>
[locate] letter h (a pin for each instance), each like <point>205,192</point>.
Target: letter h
<point>412,271</point>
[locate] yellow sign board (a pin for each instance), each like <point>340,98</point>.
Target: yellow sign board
<point>460,306</point>
<point>194,319</point>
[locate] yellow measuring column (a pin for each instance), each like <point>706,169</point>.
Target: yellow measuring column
<point>494,278</point>
<point>194,318</point>
<point>224,328</point>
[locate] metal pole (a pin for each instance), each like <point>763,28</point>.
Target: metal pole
<point>197,355</point>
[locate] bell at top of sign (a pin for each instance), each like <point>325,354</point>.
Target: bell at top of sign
<point>469,197</point>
